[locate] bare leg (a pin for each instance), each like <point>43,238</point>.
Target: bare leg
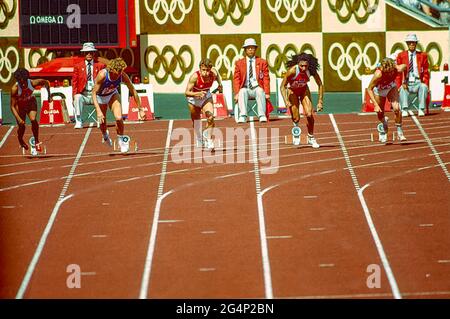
<point>308,108</point>
<point>196,123</point>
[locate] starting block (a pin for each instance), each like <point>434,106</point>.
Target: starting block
<point>32,150</point>
<point>296,138</point>
<point>132,145</point>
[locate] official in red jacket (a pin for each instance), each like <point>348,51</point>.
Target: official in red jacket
<point>83,79</point>
<point>416,78</point>
<point>251,80</point>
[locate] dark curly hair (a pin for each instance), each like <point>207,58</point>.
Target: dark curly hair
<point>313,63</point>
<point>21,74</point>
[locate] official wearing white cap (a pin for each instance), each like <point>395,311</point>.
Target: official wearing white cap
<point>416,78</point>
<point>83,79</point>
<point>251,80</point>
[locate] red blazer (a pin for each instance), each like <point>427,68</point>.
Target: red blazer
<point>422,65</point>
<point>79,77</point>
<point>262,74</point>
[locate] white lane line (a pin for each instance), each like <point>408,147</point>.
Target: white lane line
<point>99,236</point>
<point>145,282</point>
<point>430,144</point>
<point>426,225</point>
<point>207,232</point>
<point>317,228</point>
<point>310,196</point>
<point>279,237</point>
<point>262,224</point>
<point>210,200</point>
<point>373,231</point>
<point>88,273</point>
<point>6,136</point>
<point>8,207</point>
<point>207,269</point>
<point>62,198</point>
<point>170,221</point>
<point>445,261</point>
<point>326,265</point>
<point>409,193</point>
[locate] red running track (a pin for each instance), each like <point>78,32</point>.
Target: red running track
<point>295,223</point>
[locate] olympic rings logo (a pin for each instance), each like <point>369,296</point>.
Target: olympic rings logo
<point>6,57</point>
<point>290,8</point>
<point>225,58</point>
<point>38,56</point>
<point>433,49</point>
<point>6,13</point>
<point>361,9</point>
<point>168,62</point>
<point>175,9</point>
<point>126,54</point>
<point>235,9</point>
<point>345,59</point>
<point>277,58</point>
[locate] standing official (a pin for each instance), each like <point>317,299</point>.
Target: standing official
<point>83,79</point>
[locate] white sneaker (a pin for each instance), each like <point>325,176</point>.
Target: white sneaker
<point>400,136</point>
<point>34,152</point>
<point>262,119</point>
<point>242,119</point>
<point>383,129</point>
<point>312,141</point>
<point>405,113</point>
<point>78,125</point>
<point>421,113</point>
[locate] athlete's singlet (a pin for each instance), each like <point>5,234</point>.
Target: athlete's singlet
<point>299,82</point>
<point>109,87</point>
<point>200,85</point>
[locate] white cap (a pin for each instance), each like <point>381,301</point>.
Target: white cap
<point>411,38</point>
<point>249,42</point>
<point>88,47</point>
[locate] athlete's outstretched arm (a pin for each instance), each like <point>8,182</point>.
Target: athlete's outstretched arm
<point>133,91</point>
<point>320,85</point>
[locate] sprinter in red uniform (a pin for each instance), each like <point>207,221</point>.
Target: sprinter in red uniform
<point>199,99</point>
<point>23,103</point>
<point>383,86</point>
<point>294,89</point>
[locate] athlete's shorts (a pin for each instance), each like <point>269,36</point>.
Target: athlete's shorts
<point>199,102</point>
<point>105,99</point>
<point>26,107</point>
<point>384,91</point>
